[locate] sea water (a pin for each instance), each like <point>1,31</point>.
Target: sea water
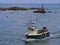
<point>13,27</point>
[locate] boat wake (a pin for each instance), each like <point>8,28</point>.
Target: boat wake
<point>54,35</point>
<point>25,39</point>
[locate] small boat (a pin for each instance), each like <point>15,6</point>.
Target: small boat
<point>40,10</point>
<point>35,33</point>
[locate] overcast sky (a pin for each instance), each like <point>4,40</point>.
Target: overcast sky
<point>29,1</point>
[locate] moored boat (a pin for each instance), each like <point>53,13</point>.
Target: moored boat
<point>40,10</point>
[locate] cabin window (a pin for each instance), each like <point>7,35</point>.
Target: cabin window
<point>39,31</point>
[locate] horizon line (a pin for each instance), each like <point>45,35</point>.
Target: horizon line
<point>29,3</point>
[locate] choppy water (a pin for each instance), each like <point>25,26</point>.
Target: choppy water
<point>13,27</point>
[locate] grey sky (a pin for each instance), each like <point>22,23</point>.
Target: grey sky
<point>29,1</point>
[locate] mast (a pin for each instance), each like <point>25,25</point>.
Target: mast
<point>42,6</point>
<point>32,23</point>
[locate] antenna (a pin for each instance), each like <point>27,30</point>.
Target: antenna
<point>42,5</point>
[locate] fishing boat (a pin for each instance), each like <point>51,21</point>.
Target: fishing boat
<point>35,33</point>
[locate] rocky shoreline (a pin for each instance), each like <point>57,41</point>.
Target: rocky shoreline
<point>17,8</point>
